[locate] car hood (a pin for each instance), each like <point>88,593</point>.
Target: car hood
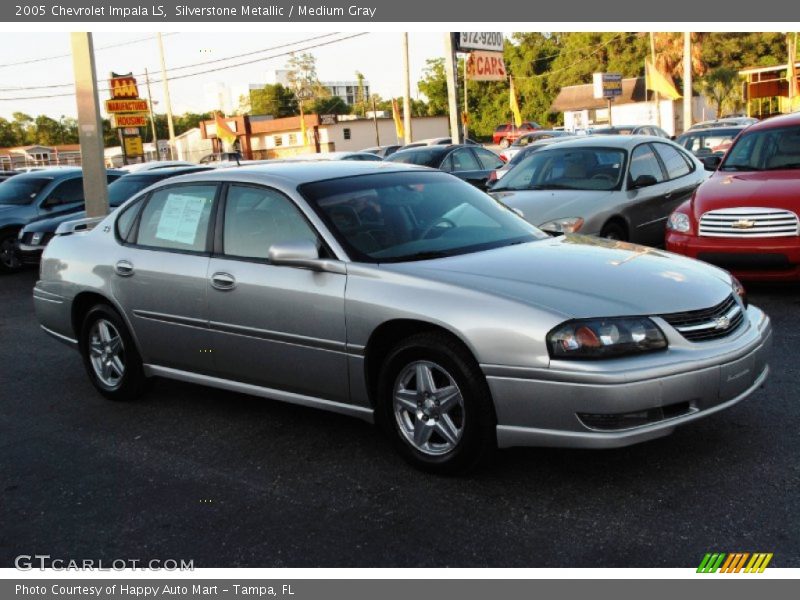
<point>541,206</point>
<point>768,189</point>
<point>582,276</point>
<point>50,224</point>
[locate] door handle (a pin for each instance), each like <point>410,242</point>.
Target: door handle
<point>223,281</point>
<point>124,268</point>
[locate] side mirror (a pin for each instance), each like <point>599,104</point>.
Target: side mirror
<point>302,254</point>
<point>711,162</point>
<point>643,181</point>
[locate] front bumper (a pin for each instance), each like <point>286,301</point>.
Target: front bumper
<point>547,407</point>
<point>754,259</point>
<point>29,255</point>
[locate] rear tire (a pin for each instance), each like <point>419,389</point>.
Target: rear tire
<point>9,259</point>
<point>434,403</point>
<point>110,356</point>
<point>504,143</point>
<point>614,231</point>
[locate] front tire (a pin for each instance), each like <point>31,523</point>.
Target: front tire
<point>505,143</point>
<point>9,259</point>
<point>434,403</point>
<point>110,356</point>
<point>614,231</point>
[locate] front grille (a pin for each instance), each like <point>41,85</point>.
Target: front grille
<point>709,323</point>
<point>748,222</point>
<point>620,421</point>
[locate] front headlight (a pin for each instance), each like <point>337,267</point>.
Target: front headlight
<point>567,225</point>
<point>605,338</point>
<point>36,238</point>
<point>679,222</point>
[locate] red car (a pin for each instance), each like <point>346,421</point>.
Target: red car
<point>745,217</point>
<point>505,134</point>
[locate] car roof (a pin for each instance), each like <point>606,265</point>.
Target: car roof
<point>167,171</point>
<point>60,173</point>
<point>625,142</point>
<point>299,172</point>
<point>712,130</point>
<point>790,120</point>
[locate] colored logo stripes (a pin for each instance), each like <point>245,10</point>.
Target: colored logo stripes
<point>735,562</point>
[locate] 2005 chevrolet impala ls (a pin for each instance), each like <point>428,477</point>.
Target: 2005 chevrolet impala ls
<point>402,295</point>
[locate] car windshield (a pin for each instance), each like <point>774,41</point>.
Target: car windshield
<point>763,150</point>
<point>416,215</point>
<point>21,191</point>
<point>710,142</point>
<point>567,169</point>
<point>125,187</point>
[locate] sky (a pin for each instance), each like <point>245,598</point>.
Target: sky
<point>377,55</point>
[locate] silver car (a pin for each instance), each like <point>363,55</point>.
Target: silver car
<point>405,296</point>
<point>618,187</point>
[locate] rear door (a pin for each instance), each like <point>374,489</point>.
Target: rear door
<point>160,271</point>
<point>644,208</point>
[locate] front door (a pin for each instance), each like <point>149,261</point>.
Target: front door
<point>274,326</point>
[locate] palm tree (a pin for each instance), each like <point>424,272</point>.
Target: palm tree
<point>721,87</point>
<point>669,53</point>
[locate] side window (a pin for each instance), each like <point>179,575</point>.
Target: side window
<point>66,192</point>
<point>126,220</point>
<point>488,159</point>
<point>463,160</point>
<point>176,218</point>
<point>644,162</point>
<point>447,164</point>
<point>675,164</point>
<point>112,177</point>
<point>256,218</point>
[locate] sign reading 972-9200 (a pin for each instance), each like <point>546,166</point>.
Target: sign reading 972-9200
<point>480,40</point>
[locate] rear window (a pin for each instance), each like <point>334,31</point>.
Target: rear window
<point>429,157</point>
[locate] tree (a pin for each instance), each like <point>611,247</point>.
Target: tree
<point>275,100</point>
<point>303,80</point>
<point>434,85</point>
<point>722,88</point>
<point>329,106</point>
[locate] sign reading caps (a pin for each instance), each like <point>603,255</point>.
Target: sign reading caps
<point>479,40</point>
<point>607,85</point>
<point>486,66</point>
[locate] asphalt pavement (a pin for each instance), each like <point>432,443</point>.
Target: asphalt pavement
<point>228,480</point>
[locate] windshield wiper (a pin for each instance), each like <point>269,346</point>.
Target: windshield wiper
<point>552,186</point>
<point>739,168</point>
<point>425,255</point>
<point>795,165</point>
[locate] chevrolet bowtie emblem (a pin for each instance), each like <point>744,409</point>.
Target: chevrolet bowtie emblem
<point>743,224</point>
<point>722,323</point>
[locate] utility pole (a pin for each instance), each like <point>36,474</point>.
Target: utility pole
<point>406,92</point>
<point>375,121</point>
<point>452,86</point>
<point>687,80</point>
<point>152,115</point>
<point>653,64</point>
<point>90,125</point>
<point>465,116</point>
<point>167,102</point>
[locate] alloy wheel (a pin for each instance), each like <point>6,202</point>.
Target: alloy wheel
<point>107,353</point>
<point>428,408</point>
<point>8,254</point>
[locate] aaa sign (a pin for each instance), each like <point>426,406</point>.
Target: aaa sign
<point>486,66</point>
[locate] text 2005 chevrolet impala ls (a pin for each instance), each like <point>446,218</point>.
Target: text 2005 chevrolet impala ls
<point>402,295</point>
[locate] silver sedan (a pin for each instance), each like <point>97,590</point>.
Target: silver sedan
<point>400,295</point>
<point>619,187</point>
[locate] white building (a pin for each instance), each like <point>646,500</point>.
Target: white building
<point>635,106</point>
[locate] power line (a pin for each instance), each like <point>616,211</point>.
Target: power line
<point>182,67</point>
<point>57,56</point>
<point>184,76</point>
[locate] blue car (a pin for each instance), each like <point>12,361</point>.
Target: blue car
<point>34,237</point>
<point>40,194</point>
